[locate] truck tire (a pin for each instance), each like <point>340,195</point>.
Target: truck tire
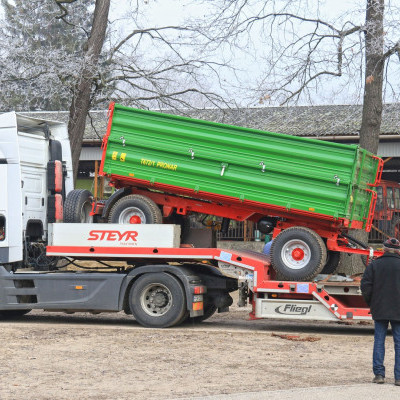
<point>332,262</point>
<point>77,206</point>
<point>157,300</point>
<point>135,209</point>
<point>298,253</point>
<point>11,314</point>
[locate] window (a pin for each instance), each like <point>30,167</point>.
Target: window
<point>389,197</point>
<point>397,198</point>
<point>379,201</point>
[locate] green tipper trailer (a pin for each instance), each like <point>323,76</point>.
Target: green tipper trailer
<point>316,188</point>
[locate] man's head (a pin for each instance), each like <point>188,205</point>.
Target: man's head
<point>391,245</point>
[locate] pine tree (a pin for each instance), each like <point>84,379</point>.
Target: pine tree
<point>41,53</point>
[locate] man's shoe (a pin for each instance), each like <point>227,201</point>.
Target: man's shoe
<point>397,382</point>
<point>380,379</point>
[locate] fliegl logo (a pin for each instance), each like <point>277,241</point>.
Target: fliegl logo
<point>293,309</point>
<point>111,236</point>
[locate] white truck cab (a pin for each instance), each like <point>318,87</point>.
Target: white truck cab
<point>34,153</point>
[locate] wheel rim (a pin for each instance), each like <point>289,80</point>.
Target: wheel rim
<point>132,215</point>
<point>296,254</point>
<point>85,213</point>
<point>156,299</point>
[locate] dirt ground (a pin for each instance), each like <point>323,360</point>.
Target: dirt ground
<point>109,356</point>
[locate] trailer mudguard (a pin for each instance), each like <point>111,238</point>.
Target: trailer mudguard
<point>113,199</point>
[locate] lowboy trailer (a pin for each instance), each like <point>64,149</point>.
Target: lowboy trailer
<point>167,284</point>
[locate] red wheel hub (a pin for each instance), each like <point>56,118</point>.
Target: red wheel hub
<point>135,219</point>
<point>298,254</point>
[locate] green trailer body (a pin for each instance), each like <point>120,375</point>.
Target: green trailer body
<point>277,171</point>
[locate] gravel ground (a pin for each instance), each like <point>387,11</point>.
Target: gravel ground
<point>109,356</point>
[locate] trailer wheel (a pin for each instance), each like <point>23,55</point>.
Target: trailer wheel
<point>332,262</point>
<point>11,314</point>
<point>78,206</point>
<point>298,253</point>
<point>135,209</point>
<point>157,300</point>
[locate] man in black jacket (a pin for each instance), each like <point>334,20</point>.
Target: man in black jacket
<point>380,287</point>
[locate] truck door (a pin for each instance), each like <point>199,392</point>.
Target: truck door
<point>34,155</point>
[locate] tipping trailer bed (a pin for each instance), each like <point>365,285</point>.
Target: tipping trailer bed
<point>308,192</point>
<point>239,172</point>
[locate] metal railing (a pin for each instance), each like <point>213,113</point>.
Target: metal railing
<point>239,230</point>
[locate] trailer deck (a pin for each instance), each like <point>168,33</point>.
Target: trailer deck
<point>270,297</point>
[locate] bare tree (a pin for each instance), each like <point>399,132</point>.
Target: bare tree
<point>303,51</point>
<point>144,66</point>
<point>81,99</point>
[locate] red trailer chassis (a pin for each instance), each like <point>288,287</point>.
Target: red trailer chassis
<point>270,298</point>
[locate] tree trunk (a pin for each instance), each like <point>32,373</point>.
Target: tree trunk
<point>374,66</point>
<point>372,105</point>
<point>81,99</point>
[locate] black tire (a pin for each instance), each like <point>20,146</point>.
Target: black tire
<point>298,253</point>
<point>332,262</point>
<point>77,206</point>
<point>157,300</point>
<point>135,208</point>
<point>12,314</point>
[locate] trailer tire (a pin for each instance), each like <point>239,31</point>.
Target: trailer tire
<point>298,253</point>
<point>11,314</point>
<point>135,209</point>
<point>77,206</point>
<point>157,300</point>
<point>332,262</point>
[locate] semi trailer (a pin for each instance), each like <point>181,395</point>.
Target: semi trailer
<point>165,284</point>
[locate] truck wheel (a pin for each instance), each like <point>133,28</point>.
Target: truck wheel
<point>11,314</point>
<point>298,253</point>
<point>78,206</point>
<point>157,300</point>
<point>332,262</point>
<point>135,209</point>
